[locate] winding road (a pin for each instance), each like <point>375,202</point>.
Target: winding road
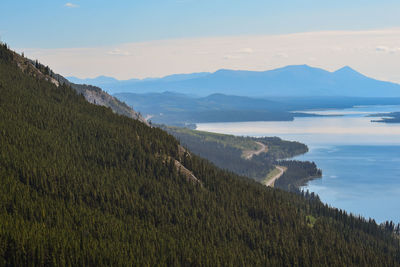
<point>250,153</point>
<point>272,180</point>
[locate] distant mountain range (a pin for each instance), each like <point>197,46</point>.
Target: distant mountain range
<point>294,81</point>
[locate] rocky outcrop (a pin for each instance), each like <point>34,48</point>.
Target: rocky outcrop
<point>97,96</point>
<point>92,94</point>
<point>187,173</point>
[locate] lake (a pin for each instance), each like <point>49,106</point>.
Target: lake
<point>360,159</point>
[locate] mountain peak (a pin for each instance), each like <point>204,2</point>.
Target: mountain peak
<point>303,67</point>
<point>348,72</point>
<point>223,71</point>
<point>346,69</point>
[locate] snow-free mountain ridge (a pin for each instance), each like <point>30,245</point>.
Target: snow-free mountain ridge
<point>293,80</point>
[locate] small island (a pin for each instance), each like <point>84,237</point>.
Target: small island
<point>393,117</point>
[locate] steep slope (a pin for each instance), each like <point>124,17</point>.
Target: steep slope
<point>92,94</point>
<point>82,186</point>
<point>97,96</point>
<point>299,80</point>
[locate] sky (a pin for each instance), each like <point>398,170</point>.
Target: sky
<point>153,38</point>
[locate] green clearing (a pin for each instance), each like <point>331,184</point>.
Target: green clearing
<point>311,220</point>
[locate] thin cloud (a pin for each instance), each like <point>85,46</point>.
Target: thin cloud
<point>386,49</point>
<point>337,49</point>
<point>202,53</point>
<point>71,5</point>
<point>229,57</point>
<point>246,50</point>
<point>381,49</point>
<point>282,55</point>
<point>118,52</point>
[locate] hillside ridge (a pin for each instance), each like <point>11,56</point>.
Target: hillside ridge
<point>92,94</point>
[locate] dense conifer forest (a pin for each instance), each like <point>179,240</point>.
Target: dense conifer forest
<point>298,173</point>
<point>83,186</point>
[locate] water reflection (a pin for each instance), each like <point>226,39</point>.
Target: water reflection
<point>352,127</point>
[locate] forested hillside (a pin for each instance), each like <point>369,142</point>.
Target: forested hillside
<point>226,151</point>
<point>92,94</point>
<point>83,186</point>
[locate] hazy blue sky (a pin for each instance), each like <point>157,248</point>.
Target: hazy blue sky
<point>56,23</point>
<point>127,39</point>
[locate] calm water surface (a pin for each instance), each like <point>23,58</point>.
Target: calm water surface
<point>360,159</point>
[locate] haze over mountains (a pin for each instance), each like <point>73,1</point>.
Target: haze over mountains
<point>229,95</point>
<point>294,81</point>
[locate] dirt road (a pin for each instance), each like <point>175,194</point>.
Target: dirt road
<point>248,154</point>
<point>272,180</point>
